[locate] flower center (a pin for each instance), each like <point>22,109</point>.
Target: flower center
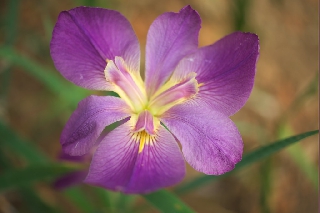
<point>146,110</point>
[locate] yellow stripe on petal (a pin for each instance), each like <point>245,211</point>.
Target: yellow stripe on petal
<point>143,138</point>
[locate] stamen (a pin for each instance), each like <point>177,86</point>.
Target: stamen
<point>127,85</point>
<point>173,93</point>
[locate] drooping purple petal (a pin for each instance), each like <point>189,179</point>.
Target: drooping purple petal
<point>71,179</point>
<point>118,165</point>
<point>210,141</point>
<point>87,122</point>
<point>84,38</point>
<point>171,37</point>
<point>226,69</point>
<point>77,159</point>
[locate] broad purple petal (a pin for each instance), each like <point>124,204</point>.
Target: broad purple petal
<point>226,71</point>
<point>210,141</point>
<point>117,165</point>
<point>88,121</point>
<point>171,37</point>
<point>84,38</point>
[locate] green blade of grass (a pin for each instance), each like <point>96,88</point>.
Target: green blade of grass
<point>18,146</point>
<point>304,164</point>
<point>76,195</point>
<point>300,158</point>
<point>11,21</point>
<point>248,159</point>
<point>30,197</point>
<point>167,202</point>
<point>10,29</point>
<point>13,178</point>
<point>10,140</point>
<point>34,202</point>
<point>124,203</point>
<point>104,199</point>
<point>50,78</point>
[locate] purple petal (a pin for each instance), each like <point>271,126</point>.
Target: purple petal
<point>118,165</point>
<point>88,121</point>
<point>65,157</point>
<point>171,37</point>
<point>70,179</point>
<point>84,38</point>
<point>226,69</point>
<point>210,141</point>
<point>145,121</point>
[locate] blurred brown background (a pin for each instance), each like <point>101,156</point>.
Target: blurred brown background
<point>284,100</point>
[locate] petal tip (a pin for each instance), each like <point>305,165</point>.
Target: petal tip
<point>188,10</point>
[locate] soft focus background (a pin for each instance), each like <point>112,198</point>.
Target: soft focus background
<point>35,103</point>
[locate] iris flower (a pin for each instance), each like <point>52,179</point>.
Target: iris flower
<point>187,95</point>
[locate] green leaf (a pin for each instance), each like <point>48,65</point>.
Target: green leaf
<point>248,159</point>
<point>23,148</point>
<point>300,157</point>
<point>10,30</point>
<point>305,165</point>
<point>49,77</point>
<point>14,178</point>
<point>30,197</point>
<point>167,202</point>
<point>33,201</point>
<point>11,21</point>
<point>12,142</point>
<point>103,199</point>
<point>80,199</point>
<point>124,202</point>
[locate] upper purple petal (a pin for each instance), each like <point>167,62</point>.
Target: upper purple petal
<point>87,122</point>
<point>84,38</point>
<point>171,37</point>
<point>226,71</point>
<point>118,165</point>
<point>210,141</point>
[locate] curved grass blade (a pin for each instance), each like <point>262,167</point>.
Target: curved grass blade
<point>30,197</point>
<point>14,178</point>
<point>166,202</point>
<point>247,159</point>
<point>76,195</point>
<point>34,202</point>
<point>300,158</point>
<point>10,30</point>
<point>11,141</point>
<point>48,77</point>
<point>23,148</point>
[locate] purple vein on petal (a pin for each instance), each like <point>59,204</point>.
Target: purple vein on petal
<point>225,70</point>
<point>117,164</point>
<point>90,39</point>
<point>170,37</point>
<point>83,38</point>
